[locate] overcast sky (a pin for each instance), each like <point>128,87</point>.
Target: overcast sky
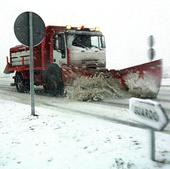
<point>126,25</point>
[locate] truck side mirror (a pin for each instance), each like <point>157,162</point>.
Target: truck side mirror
<point>59,44</point>
<point>63,47</point>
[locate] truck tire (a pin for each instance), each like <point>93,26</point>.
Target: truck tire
<point>21,84</point>
<point>53,80</point>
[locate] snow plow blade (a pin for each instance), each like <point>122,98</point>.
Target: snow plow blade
<point>142,80</point>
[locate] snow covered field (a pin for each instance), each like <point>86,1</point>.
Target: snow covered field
<point>60,138</point>
<point>65,140</point>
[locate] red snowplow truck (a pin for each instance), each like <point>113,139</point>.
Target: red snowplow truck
<point>67,53</point>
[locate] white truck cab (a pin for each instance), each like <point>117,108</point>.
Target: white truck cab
<point>82,48</point>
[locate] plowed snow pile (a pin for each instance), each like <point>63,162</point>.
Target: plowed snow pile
<point>95,88</point>
<point>100,87</point>
<point>141,87</point>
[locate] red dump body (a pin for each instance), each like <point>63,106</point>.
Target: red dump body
<point>43,56</point>
<point>43,53</point>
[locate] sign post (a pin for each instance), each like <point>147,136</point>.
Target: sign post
<point>152,143</point>
<point>152,115</point>
<point>31,65</point>
<point>29,29</point>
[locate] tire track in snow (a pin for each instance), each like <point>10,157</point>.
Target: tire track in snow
<point>104,117</point>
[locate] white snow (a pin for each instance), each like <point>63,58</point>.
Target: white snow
<point>165,82</point>
<point>94,88</point>
<point>100,87</point>
<point>142,87</point>
<point>59,139</point>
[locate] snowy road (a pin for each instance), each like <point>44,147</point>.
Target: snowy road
<point>97,109</point>
<point>5,88</point>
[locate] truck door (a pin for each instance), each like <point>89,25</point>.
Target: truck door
<point>59,52</point>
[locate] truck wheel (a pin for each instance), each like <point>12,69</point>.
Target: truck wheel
<point>53,80</point>
<point>21,84</point>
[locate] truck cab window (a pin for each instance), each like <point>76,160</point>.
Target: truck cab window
<point>82,41</point>
<point>98,42</point>
<point>88,41</point>
<point>95,42</point>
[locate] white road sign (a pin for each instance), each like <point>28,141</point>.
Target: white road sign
<point>148,112</point>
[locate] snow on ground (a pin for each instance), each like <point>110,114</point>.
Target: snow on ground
<point>65,140</point>
<point>166,82</point>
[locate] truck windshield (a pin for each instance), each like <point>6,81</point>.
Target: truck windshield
<point>87,41</point>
